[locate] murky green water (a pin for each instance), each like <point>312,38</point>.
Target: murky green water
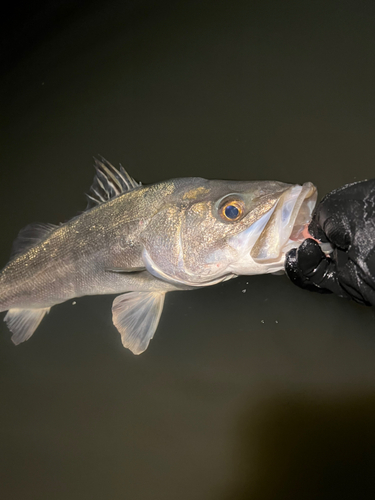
<point>268,394</point>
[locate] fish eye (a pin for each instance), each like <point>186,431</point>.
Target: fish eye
<point>231,211</point>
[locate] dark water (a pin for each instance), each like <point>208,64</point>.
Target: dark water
<point>268,394</point>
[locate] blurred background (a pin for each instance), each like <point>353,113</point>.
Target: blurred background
<point>252,389</point>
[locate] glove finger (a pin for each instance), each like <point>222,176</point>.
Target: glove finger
<point>342,212</point>
<point>356,284</point>
<point>296,273</point>
<point>309,268</point>
<point>325,277</point>
<point>309,256</point>
<point>315,228</point>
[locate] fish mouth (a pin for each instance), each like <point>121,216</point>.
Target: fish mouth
<point>286,227</point>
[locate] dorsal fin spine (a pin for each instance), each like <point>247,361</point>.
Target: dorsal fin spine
<point>109,183</point>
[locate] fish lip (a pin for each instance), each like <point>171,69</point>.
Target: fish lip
<point>293,213</point>
<point>301,216</point>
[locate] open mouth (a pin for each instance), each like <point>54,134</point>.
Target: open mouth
<point>287,226</point>
<point>300,217</point>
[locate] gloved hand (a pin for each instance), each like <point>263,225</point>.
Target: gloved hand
<point>346,219</point>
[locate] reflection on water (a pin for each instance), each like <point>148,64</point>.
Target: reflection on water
<point>240,394</point>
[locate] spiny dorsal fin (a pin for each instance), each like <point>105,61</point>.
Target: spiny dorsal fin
<point>29,236</point>
<point>108,183</point>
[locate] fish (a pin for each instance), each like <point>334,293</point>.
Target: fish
<point>142,241</point>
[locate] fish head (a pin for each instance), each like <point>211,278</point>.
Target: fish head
<point>209,231</point>
<point>262,245</point>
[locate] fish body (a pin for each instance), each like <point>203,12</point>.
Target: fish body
<point>144,241</point>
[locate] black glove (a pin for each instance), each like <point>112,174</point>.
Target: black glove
<point>345,218</point>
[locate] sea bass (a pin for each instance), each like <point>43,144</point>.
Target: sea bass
<point>146,241</point>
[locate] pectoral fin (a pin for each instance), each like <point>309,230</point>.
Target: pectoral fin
<point>23,322</point>
<point>136,316</point>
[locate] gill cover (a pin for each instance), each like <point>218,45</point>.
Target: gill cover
<point>180,247</point>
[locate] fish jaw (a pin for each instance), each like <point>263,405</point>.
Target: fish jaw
<point>262,246</point>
